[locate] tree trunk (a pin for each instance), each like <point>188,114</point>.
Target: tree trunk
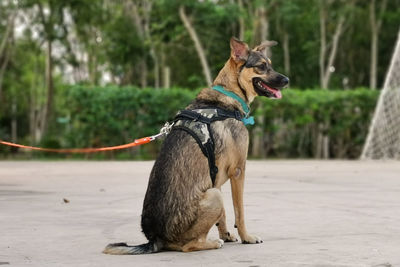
<point>48,25</point>
<point>32,116</point>
<point>241,21</point>
<point>36,110</point>
<point>4,54</point>
<point>166,77</point>
<point>92,61</point>
<point>2,73</point>
<point>332,53</point>
<point>142,25</point>
<point>286,53</point>
<point>166,71</point>
<point>48,110</point>
<point>199,48</point>
<point>285,45</point>
<point>132,10</point>
<point>8,32</point>
<point>147,4</point>
<point>375,29</point>
<point>319,142</point>
<point>325,140</point>
<point>156,69</point>
<point>322,49</point>
<point>14,121</point>
<point>325,68</point>
<point>374,58</point>
<point>143,73</point>
<point>264,28</point>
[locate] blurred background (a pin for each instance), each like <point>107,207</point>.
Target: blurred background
<point>83,73</point>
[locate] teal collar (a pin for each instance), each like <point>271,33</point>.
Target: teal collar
<point>246,120</point>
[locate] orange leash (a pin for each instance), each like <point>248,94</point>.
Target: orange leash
<point>164,131</point>
<point>137,142</point>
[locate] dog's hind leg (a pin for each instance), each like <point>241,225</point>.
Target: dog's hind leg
<point>224,234</point>
<point>210,211</point>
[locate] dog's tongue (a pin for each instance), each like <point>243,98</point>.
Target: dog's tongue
<point>278,94</point>
<point>275,92</point>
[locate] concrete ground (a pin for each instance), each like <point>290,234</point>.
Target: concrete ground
<point>309,213</point>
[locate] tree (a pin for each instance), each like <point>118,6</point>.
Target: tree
<point>285,21</point>
<point>139,12</point>
<point>326,63</point>
<point>199,47</point>
<point>48,15</point>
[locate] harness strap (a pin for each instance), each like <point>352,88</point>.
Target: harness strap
<point>207,149</point>
<point>194,119</point>
<point>192,115</point>
<point>221,114</point>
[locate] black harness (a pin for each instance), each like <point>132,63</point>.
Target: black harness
<point>197,123</point>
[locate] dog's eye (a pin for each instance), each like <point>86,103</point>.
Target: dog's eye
<point>262,67</point>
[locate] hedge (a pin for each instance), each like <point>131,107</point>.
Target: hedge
<point>300,124</point>
<point>296,125</point>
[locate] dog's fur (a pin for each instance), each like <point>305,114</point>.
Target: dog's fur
<point>181,204</point>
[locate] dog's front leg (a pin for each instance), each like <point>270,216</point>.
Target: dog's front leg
<point>237,185</point>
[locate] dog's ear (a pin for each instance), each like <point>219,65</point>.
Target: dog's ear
<point>239,50</point>
<point>264,45</point>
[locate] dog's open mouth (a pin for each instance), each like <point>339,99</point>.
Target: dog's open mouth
<point>263,89</point>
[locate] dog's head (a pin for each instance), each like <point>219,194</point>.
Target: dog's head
<point>254,68</point>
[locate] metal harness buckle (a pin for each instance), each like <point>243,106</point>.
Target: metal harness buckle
<point>165,130</point>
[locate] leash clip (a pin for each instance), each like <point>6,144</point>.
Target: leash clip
<point>165,130</point>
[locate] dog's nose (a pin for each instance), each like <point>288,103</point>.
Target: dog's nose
<point>285,81</point>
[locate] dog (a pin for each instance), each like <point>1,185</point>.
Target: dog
<point>182,203</point>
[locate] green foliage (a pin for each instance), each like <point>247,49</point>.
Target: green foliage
<point>107,116</point>
<point>292,125</point>
<point>144,43</point>
<point>110,115</point>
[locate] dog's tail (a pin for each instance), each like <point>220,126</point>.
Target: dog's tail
<point>124,249</point>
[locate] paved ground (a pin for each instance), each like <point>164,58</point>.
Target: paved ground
<point>309,213</point>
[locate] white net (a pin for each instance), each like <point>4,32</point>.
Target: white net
<point>383,140</point>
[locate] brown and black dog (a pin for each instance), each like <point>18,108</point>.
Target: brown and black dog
<point>181,203</point>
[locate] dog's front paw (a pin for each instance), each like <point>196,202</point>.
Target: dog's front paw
<point>251,239</point>
<point>228,237</point>
<point>219,243</point>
